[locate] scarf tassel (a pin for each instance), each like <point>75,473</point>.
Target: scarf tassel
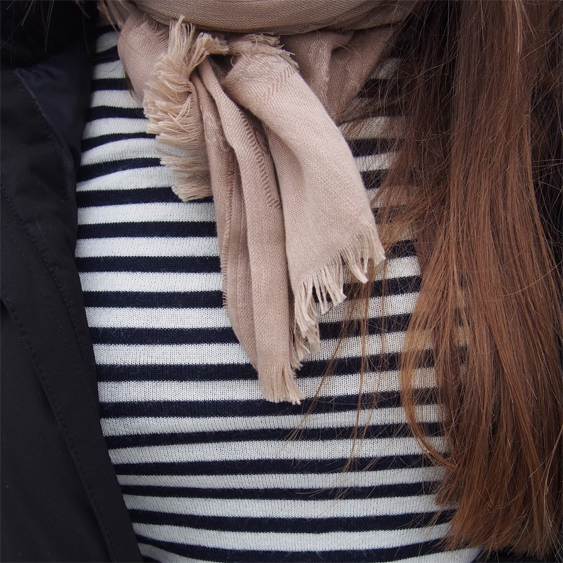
<point>277,383</point>
<point>173,112</point>
<point>327,284</point>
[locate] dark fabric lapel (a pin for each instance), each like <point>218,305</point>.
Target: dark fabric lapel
<point>65,503</point>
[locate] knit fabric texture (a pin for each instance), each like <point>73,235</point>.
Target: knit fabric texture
<point>209,470</point>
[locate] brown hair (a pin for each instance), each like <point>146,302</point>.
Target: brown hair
<point>477,179</point>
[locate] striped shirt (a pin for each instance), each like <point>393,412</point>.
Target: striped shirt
<point>209,470</point>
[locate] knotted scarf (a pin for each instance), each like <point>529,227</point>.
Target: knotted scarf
<point>243,96</point>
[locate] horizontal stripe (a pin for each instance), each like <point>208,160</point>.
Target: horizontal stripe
<point>139,229</point>
<point>402,249</point>
<point>129,317</point>
<point>370,128</point>
<point>155,212</point>
<point>107,112</point>
<point>147,425</point>
<point>170,354</point>
<point>253,556</point>
<point>149,246</point>
<point>194,441</point>
<point>112,69</point>
<point>163,336</point>
<point>156,318</point>
<point>260,449</point>
<point>370,147</point>
<point>256,508</point>
<point>183,229</point>
<point>106,40</point>
<point>154,282</point>
<point>194,227</point>
<point>130,179</point>
<point>217,406</point>
<point>90,171</point>
<point>178,298</point>
<point>290,480</point>
<point>354,346</point>
<point>119,98</point>
<point>380,363</point>
<point>316,544</point>
<point>177,264</point>
<point>460,556</point>
<point>101,127</point>
<point>293,525</point>
<point>276,466</point>
<point>94,142</point>
<point>224,335</point>
<point>245,390</point>
<point>110,54</point>
<point>360,147</point>
<point>155,247</point>
<point>114,152</point>
<point>153,553</point>
<point>372,179</point>
<point>327,433</point>
<point>108,84</point>
<point>96,195</point>
<point>398,268</point>
<point>184,299</point>
<point>285,493</point>
<point>120,197</point>
<point>374,162</point>
<point>218,334</point>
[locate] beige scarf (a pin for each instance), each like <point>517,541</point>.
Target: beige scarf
<point>244,96</point>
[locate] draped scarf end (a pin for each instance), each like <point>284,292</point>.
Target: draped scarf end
<point>277,383</point>
<point>327,285</point>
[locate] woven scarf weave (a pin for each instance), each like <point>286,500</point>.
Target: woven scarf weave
<point>243,96</point>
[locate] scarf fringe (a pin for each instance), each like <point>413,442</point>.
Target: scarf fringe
<point>174,114</point>
<point>298,350</point>
<point>327,284</point>
<point>278,384</point>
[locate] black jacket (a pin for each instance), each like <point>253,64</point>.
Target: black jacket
<point>60,497</point>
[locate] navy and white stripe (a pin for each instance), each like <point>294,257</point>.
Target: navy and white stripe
<point>209,470</point>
